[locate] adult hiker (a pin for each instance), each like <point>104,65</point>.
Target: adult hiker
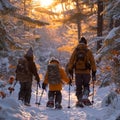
<point>55,76</point>
<point>26,69</point>
<point>82,63</point>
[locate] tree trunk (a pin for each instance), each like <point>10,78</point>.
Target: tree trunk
<point>99,22</point>
<point>111,23</point>
<point>117,22</point>
<point>78,21</point>
<point>24,7</point>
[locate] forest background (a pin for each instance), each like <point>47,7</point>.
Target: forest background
<point>53,28</point>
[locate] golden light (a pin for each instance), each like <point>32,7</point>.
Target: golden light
<point>44,3</point>
<point>58,8</point>
<point>84,6</point>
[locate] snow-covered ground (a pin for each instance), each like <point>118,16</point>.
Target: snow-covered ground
<point>12,109</point>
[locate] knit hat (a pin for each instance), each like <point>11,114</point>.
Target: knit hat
<point>29,52</point>
<point>83,40</point>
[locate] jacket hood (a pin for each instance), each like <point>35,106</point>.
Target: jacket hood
<point>29,54</point>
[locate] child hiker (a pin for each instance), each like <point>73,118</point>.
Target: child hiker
<point>55,76</point>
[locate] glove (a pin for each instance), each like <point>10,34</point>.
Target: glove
<point>71,72</point>
<point>44,86</point>
<point>70,82</point>
<point>37,78</point>
<point>94,75</point>
<point>38,83</point>
<point>11,89</point>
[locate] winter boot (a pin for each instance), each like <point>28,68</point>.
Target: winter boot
<point>21,98</point>
<point>58,106</point>
<point>50,104</point>
<point>85,99</point>
<point>86,102</point>
<point>79,104</point>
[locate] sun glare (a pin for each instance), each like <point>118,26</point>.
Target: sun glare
<point>45,3</point>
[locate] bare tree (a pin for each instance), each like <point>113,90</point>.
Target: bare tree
<point>78,20</point>
<point>99,23</point>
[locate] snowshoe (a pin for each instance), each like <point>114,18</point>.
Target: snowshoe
<point>58,106</point>
<point>79,104</point>
<point>86,102</point>
<point>50,104</point>
<point>85,99</point>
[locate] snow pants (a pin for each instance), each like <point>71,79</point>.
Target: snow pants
<point>25,91</point>
<point>55,96</point>
<point>82,85</point>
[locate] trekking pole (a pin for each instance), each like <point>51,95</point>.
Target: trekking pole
<point>15,84</point>
<point>37,95</point>
<point>70,77</point>
<point>40,97</point>
<point>69,98</point>
<point>93,92</point>
<point>11,89</point>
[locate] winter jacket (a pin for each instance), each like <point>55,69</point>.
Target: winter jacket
<point>90,59</point>
<point>32,70</point>
<point>64,79</point>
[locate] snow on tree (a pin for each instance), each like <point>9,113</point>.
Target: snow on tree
<point>109,53</point>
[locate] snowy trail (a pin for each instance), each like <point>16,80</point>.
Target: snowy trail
<point>72,113</point>
<point>12,109</point>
